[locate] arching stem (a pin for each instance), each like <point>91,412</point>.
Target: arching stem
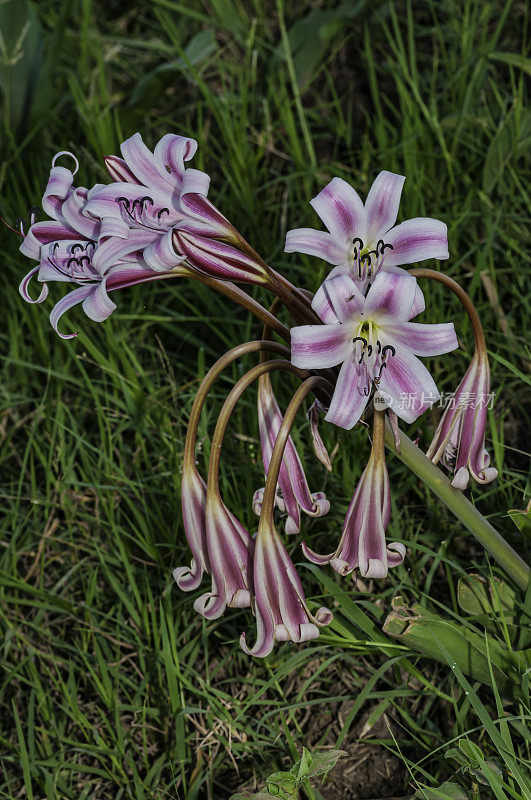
<point>468,305</point>
<point>243,299</point>
<point>230,404</point>
<point>211,377</point>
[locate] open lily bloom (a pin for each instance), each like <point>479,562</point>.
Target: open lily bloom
<point>363,544</point>
<point>459,440</point>
<point>362,239</point>
<point>279,603</point>
<point>154,191</point>
<point>294,492</point>
<point>75,247</point>
<point>376,344</point>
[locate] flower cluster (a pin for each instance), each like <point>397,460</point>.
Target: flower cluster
<point>153,220</point>
<point>353,346</point>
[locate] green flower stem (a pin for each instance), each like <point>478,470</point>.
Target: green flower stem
<point>413,457</point>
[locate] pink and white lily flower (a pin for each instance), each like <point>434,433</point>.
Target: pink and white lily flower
<point>459,440</point>
<point>362,239</point>
<point>295,495</point>
<point>373,339</point>
<point>154,192</point>
<point>363,545</point>
<point>220,545</point>
<point>76,247</point>
<point>280,606</point>
<point>230,556</point>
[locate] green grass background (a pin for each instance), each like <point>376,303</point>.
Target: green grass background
<point>111,685</point>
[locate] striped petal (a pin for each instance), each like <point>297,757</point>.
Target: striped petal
<point>141,162</point>
<point>350,394</point>
<point>338,299</point>
<point>66,303</point>
<point>44,232</point>
<point>381,205</point>
<point>230,553</point>
<point>316,243</point>
<point>320,346</point>
<point>193,497</point>
<point>416,240</point>
<point>390,298</point>
<point>218,259</point>
<point>341,210</point>
<point>113,250</point>
<point>161,255</point>
<point>425,340</point>
<point>74,212</point>
<point>407,386</point>
<point>98,305</point>
<point>118,169</point>
<point>170,154</point>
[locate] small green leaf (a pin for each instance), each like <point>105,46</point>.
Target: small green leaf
<point>304,765</point>
<point>283,785</point>
<point>470,751</point>
<point>323,762</point>
<point>522,519</point>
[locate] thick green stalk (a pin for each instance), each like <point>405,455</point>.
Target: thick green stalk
<point>413,457</point>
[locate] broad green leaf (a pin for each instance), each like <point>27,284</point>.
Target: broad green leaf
<point>21,47</point>
<point>514,59</point>
<point>198,49</point>
<point>311,36</point>
<point>449,790</point>
<point>489,598</point>
<point>423,630</point>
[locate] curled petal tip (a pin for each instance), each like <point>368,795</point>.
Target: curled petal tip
<point>188,578</point>
<point>314,557</point>
<point>342,567</point>
<point>461,477</point>
<point>241,599</point>
<point>291,526</point>
<point>375,568</point>
<point>489,474</point>
<point>308,631</point>
<point>211,606</point>
<point>323,616</point>
<point>321,506</point>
